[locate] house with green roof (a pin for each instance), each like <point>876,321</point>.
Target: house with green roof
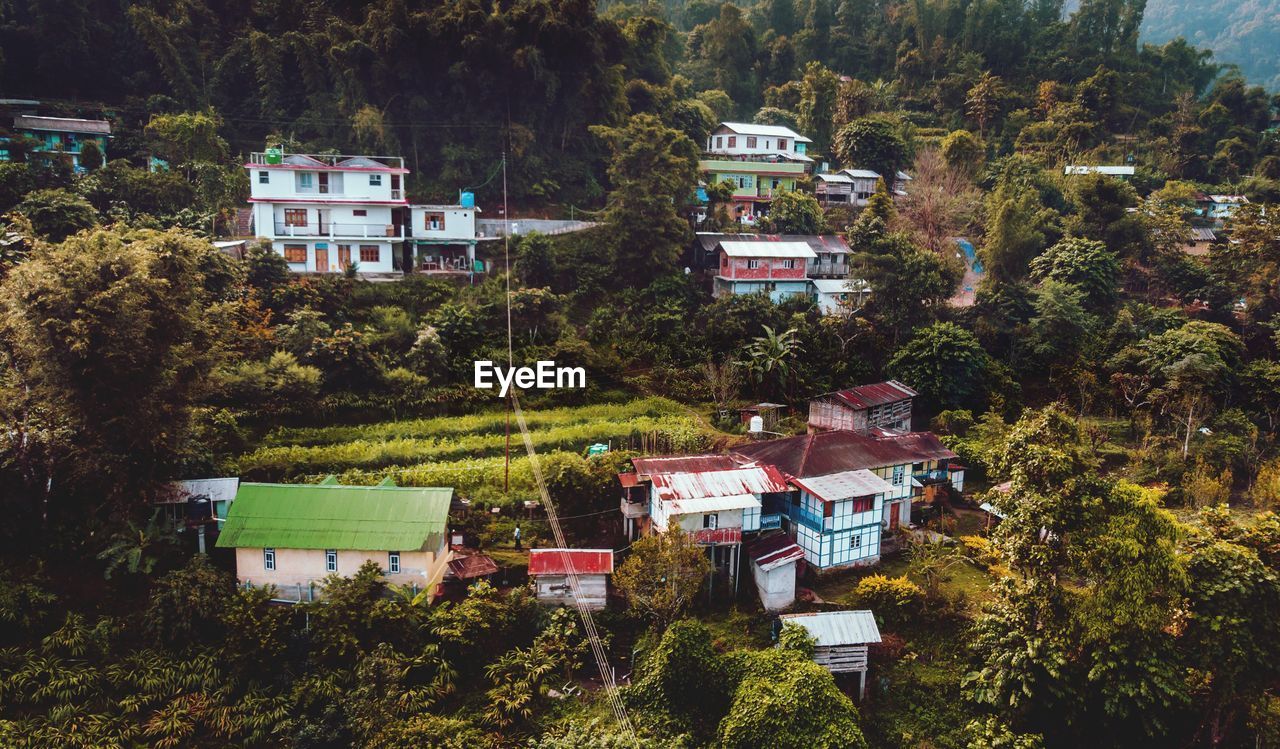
<point>294,535</point>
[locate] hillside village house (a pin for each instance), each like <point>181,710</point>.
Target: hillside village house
<point>550,570</point>
<point>831,251</point>
<point>324,212</point>
<point>1119,172</point>
<point>841,640</point>
<point>715,498</point>
<point>839,296</point>
<point>883,404</point>
<point>292,536</point>
<point>761,161</point>
<point>444,238</point>
<point>837,520</point>
<point>855,186</point>
<point>1219,208</point>
<point>60,136</point>
<point>776,268</point>
<point>211,497</point>
<point>914,464</point>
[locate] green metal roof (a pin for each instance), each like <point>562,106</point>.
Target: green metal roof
<point>330,516</point>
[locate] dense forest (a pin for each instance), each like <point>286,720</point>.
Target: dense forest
<point>1114,396</point>
<point>1239,33</point>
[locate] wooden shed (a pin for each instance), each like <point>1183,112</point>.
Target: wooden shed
<point>550,570</point>
<point>841,640</point>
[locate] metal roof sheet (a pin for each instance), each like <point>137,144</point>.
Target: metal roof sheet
<point>628,480</point>
<point>734,482</point>
<point>771,552</point>
<point>861,173</point>
<point>217,490</point>
<point>772,131</point>
<point>834,451</point>
<point>570,561</point>
<point>62,124</point>
<point>877,394</point>
<point>329,516</point>
<point>472,566</point>
<point>820,243</point>
<point>839,178</point>
<point>683,464</point>
<point>839,285</point>
<point>768,249</point>
<point>698,505</point>
<point>835,628</point>
<point>1201,234</point>
<point>845,485</point>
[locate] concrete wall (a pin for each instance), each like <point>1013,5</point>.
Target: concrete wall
<point>304,566</point>
<point>777,587</point>
<point>282,184</point>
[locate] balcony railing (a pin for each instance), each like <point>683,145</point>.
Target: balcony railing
<point>341,230</point>
<point>259,158</point>
<point>935,476</point>
<point>634,509</point>
<point>769,522</point>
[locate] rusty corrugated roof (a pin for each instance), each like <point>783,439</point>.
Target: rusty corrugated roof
<point>741,480</point>
<point>683,464</point>
<point>878,394</point>
<point>567,561</point>
<point>836,451</point>
<point>472,566</point>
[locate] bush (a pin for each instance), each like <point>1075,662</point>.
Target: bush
<point>893,599</point>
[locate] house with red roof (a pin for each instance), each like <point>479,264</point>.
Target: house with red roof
<point>884,404</point>
<point>569,576</point>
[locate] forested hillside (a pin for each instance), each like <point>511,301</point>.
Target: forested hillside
<point>1240,32</point>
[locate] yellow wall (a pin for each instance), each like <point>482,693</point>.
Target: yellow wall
<point>304,566</point>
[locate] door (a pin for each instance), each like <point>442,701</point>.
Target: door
<point>395,187</point>
<point>324,183</point>
<point>322,258</point>
<point>894,511</point>
<point>322,217</point>
<point>344,256</point>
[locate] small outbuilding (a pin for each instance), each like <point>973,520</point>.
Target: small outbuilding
<point>841,640</point>
<point>774,566</point>
<point>550,570</point>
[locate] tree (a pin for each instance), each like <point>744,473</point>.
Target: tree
<point>1018,227</point>
<point>946,364</point>
<point>871,143</point>
<point>663,575</point>
<point>984,100</point>
<point>108,334</point>
<point>188,137</point>
<point>90,155</point>
<point>653,172</point>
<point>941,203</point>
<point>771,360</point>
<point>186,605</point>
<point>963,151</point>
<point>818,89</point>
<point>536,263</point>
<point>1189,365</point>
<point>56,214</point>
<point>137,550</point>
<point>1084,263</point>
<point>794,213</point>
<point>908,284</point>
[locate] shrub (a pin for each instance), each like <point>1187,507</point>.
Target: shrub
<point>893,599</point>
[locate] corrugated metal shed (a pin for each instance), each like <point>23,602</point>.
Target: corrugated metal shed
<point>768,249</point>
<point>564,561</point>
<point>329,516</point>
<point>845,485</point>
<point>760,479</point>
<point>835,628</point>
<point>878,394</point>
<point>217,490</point>
<point>472,566</point>
<point>713,504</point>
<point>835,451</point>
<point>839,285</point>
<point>861,173</point>
<point>1201,234</point>
<point>683,464</point>
<point>62,124</point>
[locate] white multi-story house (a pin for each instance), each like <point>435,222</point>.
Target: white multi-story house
<point>325,212</point>
<point>761,161</point>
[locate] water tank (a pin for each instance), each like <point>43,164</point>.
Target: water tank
<point>275,155</point>
<point>756,425</point>
<point>467,199</point>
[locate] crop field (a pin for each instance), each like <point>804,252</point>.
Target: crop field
<point>467,452</point>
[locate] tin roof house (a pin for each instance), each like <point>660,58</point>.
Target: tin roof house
<point>552,570</point>
<point>778,269</point>
<point>775,561</point>
<point>292,536</point>
<point>885,404</point>
<point>841,640</point>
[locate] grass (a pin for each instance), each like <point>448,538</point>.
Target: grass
<point>963,581</point>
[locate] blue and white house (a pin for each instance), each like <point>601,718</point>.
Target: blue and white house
<point>838,519</point>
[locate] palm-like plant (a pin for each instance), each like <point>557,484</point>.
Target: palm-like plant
<point>136,549</point>
<point>770,359</point>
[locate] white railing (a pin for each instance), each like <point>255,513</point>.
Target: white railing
<point>341,230</point>
<point>259,158</point>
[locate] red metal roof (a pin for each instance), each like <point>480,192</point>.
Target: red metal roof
<point>471,566</point>
<point>560,561</point>
<point>824,453</point>
<point>628,480</point>
<point>683,464</point>
<point>741,479</point>
<point>772,550</point>
<point>866,396</point>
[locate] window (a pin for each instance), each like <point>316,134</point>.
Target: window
<point>295,253</point>
<point>331,560</point>
<point>370,253</point>
<point>899,473</point>
<point>863,504</point>
<point>789,264</point>
<point>782,144</point>
<point>306,180</point>
<point>264,178</point>
<point>753,264</point>
<point>295,217</point>
<point>711,520</point>
<point>375,180</point>
<point>719,142</point>
<point>359,212</point>
<point>855,541</point>
<point>733,141</point>
<point>433,221</point>
<point>269,559</point>
<point>393,561</point>
<point>751,142</point>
